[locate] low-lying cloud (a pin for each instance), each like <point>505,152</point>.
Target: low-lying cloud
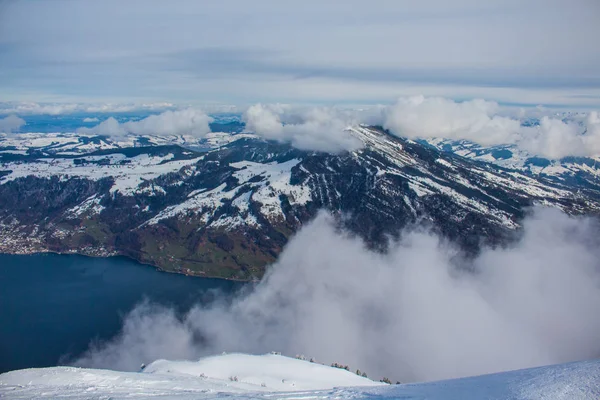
<point>323,128</point>
<point>439,117</point>
<point>11,124</point>
<point>555,138</point>
<point>479,121</point>
<point>34,108</point>
<point>315,129</point>
<point>482,122</point>
<point>417,313</point>
<point>181,122</point>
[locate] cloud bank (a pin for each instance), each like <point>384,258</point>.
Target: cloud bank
<point>555,138</point>
<point>322,128</point>
<point>11,123</point>
<point>416,313</point>
<point>34,108</point>
<point>317,129</point>
<point>439,117</point>
<point>181,122</point>
<point>482,122</point>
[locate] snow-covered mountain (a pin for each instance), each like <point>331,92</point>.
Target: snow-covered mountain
<point>73,144</point>
<point>272,376</point>
<point>576,171</point>
<point>225,205</point>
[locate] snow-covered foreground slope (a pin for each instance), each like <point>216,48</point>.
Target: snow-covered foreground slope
<point>273,376</point>
<point>232,374</point>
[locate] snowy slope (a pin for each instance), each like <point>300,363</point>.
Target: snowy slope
<point>228,212</point>
<point>232,373</point>
<point>272,376</point>
<point>128,173</point>
<point>581,171</point>
<point>79,143</point>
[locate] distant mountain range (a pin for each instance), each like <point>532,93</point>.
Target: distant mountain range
<point>226,204</point>
<point>579,172</point>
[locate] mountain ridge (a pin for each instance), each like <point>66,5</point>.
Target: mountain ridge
<point>228,211</point>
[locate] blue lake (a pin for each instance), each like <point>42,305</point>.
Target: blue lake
<point>52,306</point>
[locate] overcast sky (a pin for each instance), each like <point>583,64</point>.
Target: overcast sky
<point>311,51</point>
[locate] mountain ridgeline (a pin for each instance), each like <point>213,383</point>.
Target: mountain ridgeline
<point>229,211</point>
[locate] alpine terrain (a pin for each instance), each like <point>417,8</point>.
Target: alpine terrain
<point>225,205</point>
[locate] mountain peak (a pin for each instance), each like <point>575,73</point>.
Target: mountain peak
<point>229,211</point>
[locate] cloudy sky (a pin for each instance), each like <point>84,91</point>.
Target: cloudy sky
<point>525,52</point>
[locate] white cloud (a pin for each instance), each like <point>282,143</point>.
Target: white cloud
<point>554,138</point>
<point>412,314</point>
<point>180,122</point>
<point>318,129</point>
<point>480,121</point>
<point>264,120</point>
<point>11,123</point>
<point>93,119</point>
<point>439,117</point>
<point>483,122</point>
<point>108,127</point>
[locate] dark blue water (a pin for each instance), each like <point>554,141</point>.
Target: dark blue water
<point>52,306</point>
